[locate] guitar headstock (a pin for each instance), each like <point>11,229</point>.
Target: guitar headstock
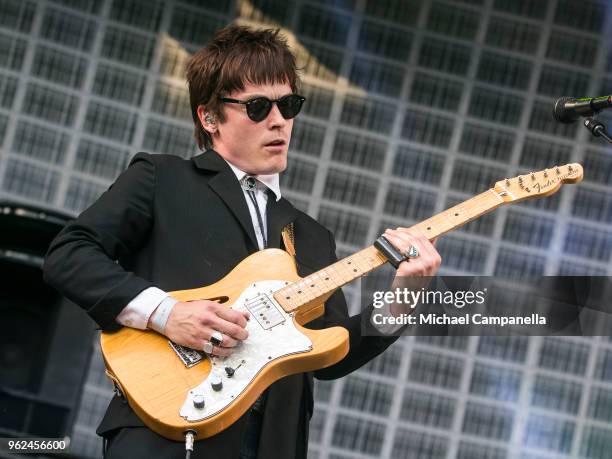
<point>538,184</point>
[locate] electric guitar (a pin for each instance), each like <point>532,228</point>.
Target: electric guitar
<point>174,389</point>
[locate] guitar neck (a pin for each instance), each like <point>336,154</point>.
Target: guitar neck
<point>317,287</point>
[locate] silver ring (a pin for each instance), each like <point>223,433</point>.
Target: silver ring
<point>208,347</point>
<point>411,252</point>
<point>216,338</point>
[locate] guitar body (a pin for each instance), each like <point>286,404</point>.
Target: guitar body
<point>160,386</point>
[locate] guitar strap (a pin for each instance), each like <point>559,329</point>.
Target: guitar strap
<point>289,239</point>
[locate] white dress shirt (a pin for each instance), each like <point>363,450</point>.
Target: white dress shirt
<point>138,311</point>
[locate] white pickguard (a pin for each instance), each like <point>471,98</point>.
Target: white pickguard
<point>272,335</point>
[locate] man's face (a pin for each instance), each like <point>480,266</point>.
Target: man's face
<point>254,147</point>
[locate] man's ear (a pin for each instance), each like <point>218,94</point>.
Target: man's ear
<point>207,120</point>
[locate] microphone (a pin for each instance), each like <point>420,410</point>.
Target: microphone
<point>568,109</point>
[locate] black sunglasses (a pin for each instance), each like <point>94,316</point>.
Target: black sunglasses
<point>258,108</point>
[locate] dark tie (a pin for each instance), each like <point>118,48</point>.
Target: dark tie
<point>249,184</point>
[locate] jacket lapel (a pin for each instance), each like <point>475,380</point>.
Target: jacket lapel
<point>278,215</point>
<point>225,185</point>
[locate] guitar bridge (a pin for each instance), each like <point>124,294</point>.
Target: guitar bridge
<point>189,357</point>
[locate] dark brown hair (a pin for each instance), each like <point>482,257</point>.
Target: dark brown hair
<point>236,55</point>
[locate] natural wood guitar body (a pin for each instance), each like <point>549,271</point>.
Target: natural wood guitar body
<point>155,381</point>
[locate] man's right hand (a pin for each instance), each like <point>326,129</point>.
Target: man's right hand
<point>192,323</point>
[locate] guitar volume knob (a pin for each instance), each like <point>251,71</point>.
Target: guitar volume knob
<point>198,401</point>
<point>216,383</point>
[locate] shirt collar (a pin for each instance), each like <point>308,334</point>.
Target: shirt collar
<point>271,181</point>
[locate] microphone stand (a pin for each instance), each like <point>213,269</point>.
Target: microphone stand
<point>597,128</point>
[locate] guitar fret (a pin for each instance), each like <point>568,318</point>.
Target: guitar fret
<point>345,270</point>
<point>308,286</point>
<point>351,267</point>
<point>315,283</point>
<point>302,291</point>
<point>336,273</point>
<point>363,264</point>
<point>328,281</point>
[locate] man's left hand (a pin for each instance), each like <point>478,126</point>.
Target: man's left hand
<point>428,260</point>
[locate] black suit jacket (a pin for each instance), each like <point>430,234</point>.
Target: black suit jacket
<point>180,224</point>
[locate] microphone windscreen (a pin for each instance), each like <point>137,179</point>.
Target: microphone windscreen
<point>563,114</point>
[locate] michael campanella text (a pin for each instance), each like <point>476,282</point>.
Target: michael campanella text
<point>468,319</point>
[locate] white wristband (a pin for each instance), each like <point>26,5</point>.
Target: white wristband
<point>161,314</point>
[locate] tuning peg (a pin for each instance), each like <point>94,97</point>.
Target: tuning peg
<point>545,173</point>
<point>507,182</point>
<point>570,168</point>
<point>533,176</point>
<point>558,171</point>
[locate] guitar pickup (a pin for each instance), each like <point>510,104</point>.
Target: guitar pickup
<point>265,311</point>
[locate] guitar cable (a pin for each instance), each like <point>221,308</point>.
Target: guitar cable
<point>189,437</point>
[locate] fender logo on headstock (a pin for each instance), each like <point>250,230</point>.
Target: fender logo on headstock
<point>541,183</point>
<point>539,187</point>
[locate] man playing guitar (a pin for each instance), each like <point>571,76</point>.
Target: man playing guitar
<point>169,223</point>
